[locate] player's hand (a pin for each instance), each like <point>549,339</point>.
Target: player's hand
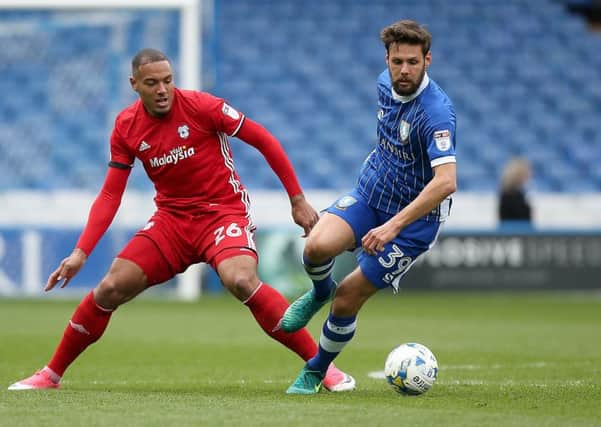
<point>67,269</point>
<point>303,213</point>
<point>375,239</point>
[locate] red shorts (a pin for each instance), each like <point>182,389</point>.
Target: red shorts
<point>170,242</point>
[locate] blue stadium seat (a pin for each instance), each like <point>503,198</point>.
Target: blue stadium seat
<point>523,78</point>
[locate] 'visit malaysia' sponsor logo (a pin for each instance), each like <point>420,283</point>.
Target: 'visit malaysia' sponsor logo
<point>173,157</point>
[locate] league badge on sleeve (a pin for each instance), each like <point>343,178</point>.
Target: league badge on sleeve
<point>230,112</point>
<point>442,138</point>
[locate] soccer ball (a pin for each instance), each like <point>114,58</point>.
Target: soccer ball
<point>411,369</point>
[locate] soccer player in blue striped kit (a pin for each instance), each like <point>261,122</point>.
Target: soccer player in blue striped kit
<point>395,212</point>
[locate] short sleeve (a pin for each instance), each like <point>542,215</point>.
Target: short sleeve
<point>441,143</point>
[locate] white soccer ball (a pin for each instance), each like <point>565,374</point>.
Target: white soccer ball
<point>411,369</point>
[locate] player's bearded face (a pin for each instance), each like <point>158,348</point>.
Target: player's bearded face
<point>154,84</point>
<point>407,66</point>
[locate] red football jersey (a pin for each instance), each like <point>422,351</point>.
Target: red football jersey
<point>186,153</point>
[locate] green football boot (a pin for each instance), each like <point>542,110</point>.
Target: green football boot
<point>307,382</point>
<point>302,310</point>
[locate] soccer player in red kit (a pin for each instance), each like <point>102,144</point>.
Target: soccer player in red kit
<point>181,138</point>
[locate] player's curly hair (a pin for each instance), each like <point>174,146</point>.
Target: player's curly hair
<point>406,31</point>
<point>147,56</point>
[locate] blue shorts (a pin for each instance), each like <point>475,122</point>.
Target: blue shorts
<point>386,268</point>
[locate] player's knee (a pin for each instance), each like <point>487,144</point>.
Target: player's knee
<point>110,293</point>
<point>241,284</point>
<point>316,250</point>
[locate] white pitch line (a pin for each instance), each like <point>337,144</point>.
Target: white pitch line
<point>537,365</point>
<point>496,366</point>
<point>379,375</point>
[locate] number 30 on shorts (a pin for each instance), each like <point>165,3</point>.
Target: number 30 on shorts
<point>232,230</point>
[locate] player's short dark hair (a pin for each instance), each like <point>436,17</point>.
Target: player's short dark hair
<point>147,56</point>
<point>406,31</point>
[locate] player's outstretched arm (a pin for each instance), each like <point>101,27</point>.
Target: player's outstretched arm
<point>303,213</point>
<point>256,135</point>
<point>67,269</point>
<point>102,213</point>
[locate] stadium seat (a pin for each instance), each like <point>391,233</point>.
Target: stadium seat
<point>524,81</point>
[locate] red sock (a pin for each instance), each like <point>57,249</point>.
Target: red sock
<point>268,307</point>
<point>85,327</point>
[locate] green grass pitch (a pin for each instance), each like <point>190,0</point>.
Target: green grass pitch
<point>505,360</point>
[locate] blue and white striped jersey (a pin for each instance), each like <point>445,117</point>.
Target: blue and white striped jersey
<point>415,134</point>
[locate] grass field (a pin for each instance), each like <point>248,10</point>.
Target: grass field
<point>505,360</point>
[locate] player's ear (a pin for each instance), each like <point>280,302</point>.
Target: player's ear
<point>428,58</point>
<point>133,84</point>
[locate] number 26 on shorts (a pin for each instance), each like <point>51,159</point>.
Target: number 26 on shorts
<point>233,230</point>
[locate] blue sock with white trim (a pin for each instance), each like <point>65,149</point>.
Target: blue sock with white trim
<point>336,333</point>
<point>321,276</point>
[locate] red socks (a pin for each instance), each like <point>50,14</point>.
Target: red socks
<point>85,327</point>
<point>268,306</point>
<point>89,322</point>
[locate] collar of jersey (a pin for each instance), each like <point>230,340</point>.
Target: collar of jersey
<point>420,89</point>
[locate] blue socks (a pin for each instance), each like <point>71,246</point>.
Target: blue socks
<point>321,276</point>
<point>336,333</point>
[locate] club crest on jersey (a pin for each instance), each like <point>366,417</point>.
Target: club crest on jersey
<point>344,202</point>
<point>404,129</point>
<point>184,131</point>
<point>442,138</point>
